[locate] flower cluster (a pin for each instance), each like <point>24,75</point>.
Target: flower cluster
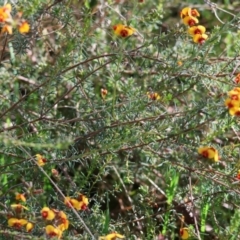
<point>59,220</point>
<point>233,101</point>
<point>80,203</point>
<point>123,30</point>
<point>7,22</point>
<point>17,220</point>
<point>190,18</point>
<point>209,152</point>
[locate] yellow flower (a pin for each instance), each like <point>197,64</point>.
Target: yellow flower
<point>200,38</point>
<point>112,236</point>
<point>190,21</point>
<point>40,160</point>
<point>51,231</point>
<point>47,213</point>
<point>197,30</point>
<point>231,103</point>
<point>235,111</point>
<point>187,11</point>
<point>17,223</point>
<point>20,197</point>
<point>64,223</point>
<point>18,207</point>
<point>5,13</point>
<point>72,202</point>
<point>29,227</point>
<point>153,96</point>
<point>209,152</point>
<point>83,201</point>
<point>184,233</point>
<point>24,27</point>
<point>7,28</point>
<point>123,30</point>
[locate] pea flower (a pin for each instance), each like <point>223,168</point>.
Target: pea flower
<point>23,27</point>
<point>235,111</point>
<point>18,207</point>
<point>47,213</point>
<point>187,11</point>
<point>200,38</point>
<point>190,21</point>
<point>41,161</point>
<point>209,152</point>
<point>52,231</point>
<point>83,201</point>
<point>20,197</point>
<point>123,30</point>
<point>63,221</point>
<point>17,223</point>
<point>104,93</point>
<point>230,103</point>
<point>112,236</point>
<point>5,13</point>
<point>153,96</point>
<point>29,227</point>
<point>237,79</point>
<point>199,29</point>
<point>184,233</point>
<point>72,202</point>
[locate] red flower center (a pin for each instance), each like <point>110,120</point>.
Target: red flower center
<point>191,22</point>
<point>44,214</point>
<point>17,225</point>
<point>205,154</point>
<point>124,33</point>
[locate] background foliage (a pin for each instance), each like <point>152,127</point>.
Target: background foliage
<point>136,159</point>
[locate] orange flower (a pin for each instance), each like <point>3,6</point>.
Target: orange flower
<point>112,236</point>
<point>209,152</point>
<point>83,201</point>
<point>153,96</point>
<point>40,160</point>
<point>51,231</point>
<point>187,11</point>
<point>47,213</point>
<point>200,38</point>
<point>20,197</point>
<point>29,227</point>
<point>190,21</point>
<point>17,223</point>
<point>24,27</point>
<point>5,13</point>
<point>235,111</point>
<point>184,233</point>
<point>123,30</point>
<point>197,30</point>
